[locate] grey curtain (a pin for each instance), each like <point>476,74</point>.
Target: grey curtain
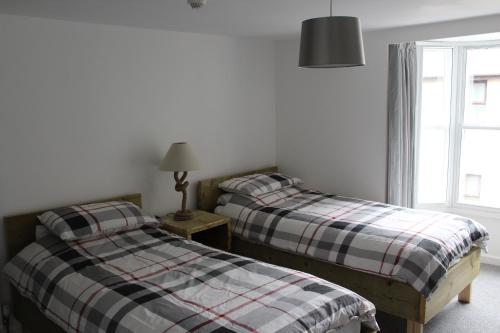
<point>402,105</point>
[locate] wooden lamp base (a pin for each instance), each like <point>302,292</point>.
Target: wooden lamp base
<point>181,186</point>
<point>185,215</point>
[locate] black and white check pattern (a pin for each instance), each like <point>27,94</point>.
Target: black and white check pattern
<point>83,221</point>
<point>409,245</point>
<point>146,280</point>
<point>259,183</point>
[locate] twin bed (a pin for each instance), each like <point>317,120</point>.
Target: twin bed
<point>143,279</point>
<point>408,263</point>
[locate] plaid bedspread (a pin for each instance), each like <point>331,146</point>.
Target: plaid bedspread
<point>409,245</point>
<point>146,280</point>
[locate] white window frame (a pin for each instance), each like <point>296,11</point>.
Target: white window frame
<point>457,106</point>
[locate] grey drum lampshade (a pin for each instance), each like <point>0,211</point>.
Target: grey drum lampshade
<point>180,157</point>
<point>332,41</point>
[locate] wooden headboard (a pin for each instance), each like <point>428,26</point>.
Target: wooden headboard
<point>20,229</point>
<point>209,192</point>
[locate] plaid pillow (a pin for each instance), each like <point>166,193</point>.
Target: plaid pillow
<point>259,183</point>
<point>274,198</point>
<point>84,221</point>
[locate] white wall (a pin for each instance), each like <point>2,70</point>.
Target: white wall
<point>87,111</point>
<point>332,124</point>
<point>330,130</point>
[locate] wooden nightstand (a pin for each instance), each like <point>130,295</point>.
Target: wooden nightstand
<point>207,228</point>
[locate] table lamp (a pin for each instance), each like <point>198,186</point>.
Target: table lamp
<point>180,159</point>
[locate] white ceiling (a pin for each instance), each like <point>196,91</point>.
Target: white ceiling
<point>261,18</point>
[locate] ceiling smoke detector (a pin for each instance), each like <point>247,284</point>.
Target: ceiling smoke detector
<point>196,3</point>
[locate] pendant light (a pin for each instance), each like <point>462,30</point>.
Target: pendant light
<point>331,41</point>
<point>197,3</point>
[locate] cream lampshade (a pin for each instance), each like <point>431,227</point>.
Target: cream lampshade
<point>180,158</point>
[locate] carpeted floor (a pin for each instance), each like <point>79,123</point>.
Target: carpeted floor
<point>482,315</point>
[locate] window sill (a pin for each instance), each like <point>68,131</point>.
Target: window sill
<point>475,212</point>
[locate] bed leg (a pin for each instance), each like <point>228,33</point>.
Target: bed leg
<point>464,295</point>
<point>414,327</point>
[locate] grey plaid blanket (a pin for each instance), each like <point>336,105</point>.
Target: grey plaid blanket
<point>146,280</point>
<point>409,245</point>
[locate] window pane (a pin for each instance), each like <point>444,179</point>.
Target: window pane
<point>434,125</point>
<point>482,91</point>
<point>479,89</point>
<point>433,166</point>
<point>480,168</point>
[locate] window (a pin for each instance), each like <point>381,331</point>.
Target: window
<point>472,186</point>
<point>458,135</point>
<point>434,125</point>
<point>479,89</point>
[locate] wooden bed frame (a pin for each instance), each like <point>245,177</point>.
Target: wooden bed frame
<point>390,296</point>
<point>19,233</point>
